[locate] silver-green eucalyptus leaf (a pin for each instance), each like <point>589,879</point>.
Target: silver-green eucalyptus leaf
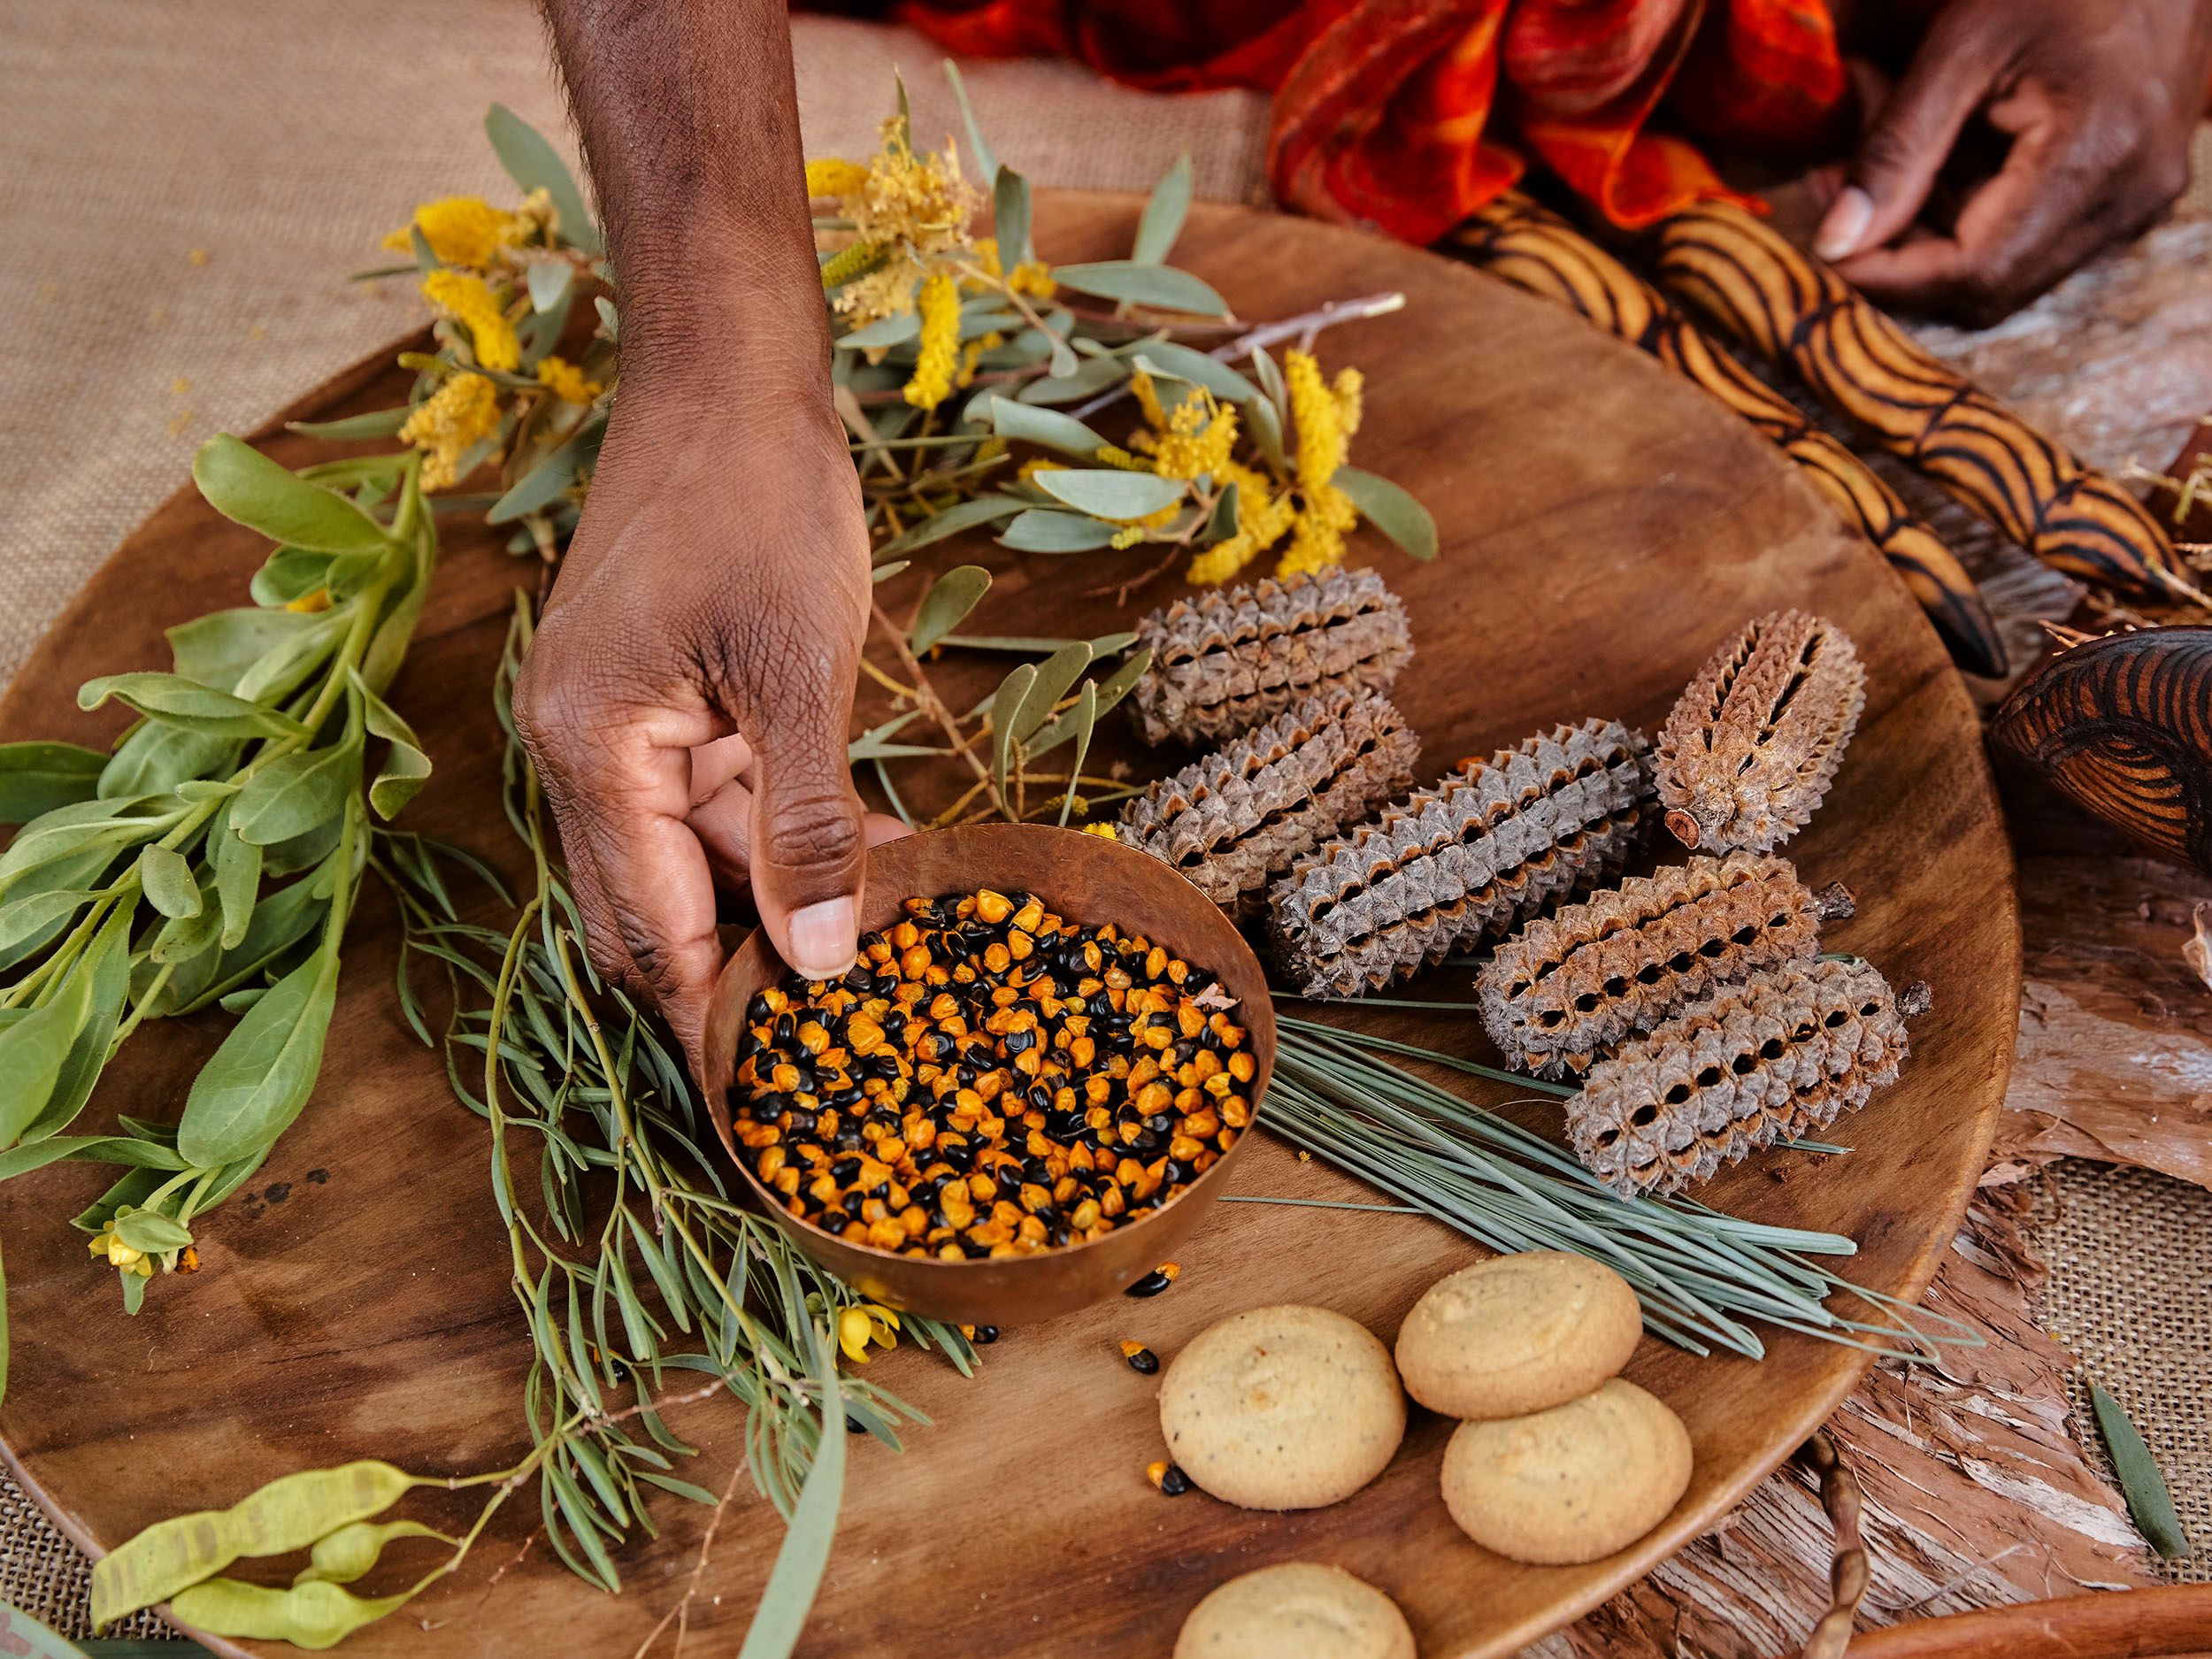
<point>1055,675</point>
<point>535,165</point>
<point>1391,509</point>
<point>1163,287</point>
<point>950,598</point>
<point>1046,530</point>
<point>1048,428</point>
<point>1163,213</point>
<point>1110,493</point>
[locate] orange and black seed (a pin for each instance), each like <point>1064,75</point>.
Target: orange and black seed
<point>1141,1359</point>
<point>1167,1477</point>
<point>989,1079</point>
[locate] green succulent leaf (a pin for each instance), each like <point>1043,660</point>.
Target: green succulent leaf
<point>36,778</point>
<point>246,486</point>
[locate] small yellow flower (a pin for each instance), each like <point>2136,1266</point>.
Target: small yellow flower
<point>469,301</point>
<point>1105,832</point>
<point>463,230</point>
<point>566,381</point>
<point>121,1256</point>
<point>934,365</point>
<point>461,413</point>
<point>832,175</point>
<point>857,1326</point>
<point>308,603</point>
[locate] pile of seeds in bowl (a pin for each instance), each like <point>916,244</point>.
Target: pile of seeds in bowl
<point>989,1079</point>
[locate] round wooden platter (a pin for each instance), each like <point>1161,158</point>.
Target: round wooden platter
<point>1604,528</point>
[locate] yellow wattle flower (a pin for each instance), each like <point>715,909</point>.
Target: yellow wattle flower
<point>1351,385</point>
<point>1198,438</point>
<point>933,364</point>
<point>463,230</point>
<point>462,412</point>
<point>1105,831</point>
<point>832,175</point>
<point>1318,417</point>
<point>566,381</point>
<point>1033,277</point>
<point>470,301</point>
<point>1317,541</point>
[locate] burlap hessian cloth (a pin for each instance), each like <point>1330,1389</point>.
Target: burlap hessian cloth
<point>186,187</point>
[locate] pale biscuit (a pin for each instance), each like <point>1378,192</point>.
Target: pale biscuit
<point>1516,1334</point>
<point>1284,1408</point>
<point>1572,1484</point>
<point>1301,1608</point>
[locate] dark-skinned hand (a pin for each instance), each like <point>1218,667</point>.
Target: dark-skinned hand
<point>2092,103</point>
<point>688,694</point>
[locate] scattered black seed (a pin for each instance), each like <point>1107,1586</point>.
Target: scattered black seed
<point>1174,1483</point>
<point>1142,1360</point>
<point>1151,1285</point>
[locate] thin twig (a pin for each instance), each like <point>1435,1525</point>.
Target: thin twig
<point>1305,325</point>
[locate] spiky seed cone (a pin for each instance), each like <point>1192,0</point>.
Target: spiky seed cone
<point>1787,1051</point>
<point>1225,662</point>
<point>1241,817</point>
<point>1488,845</point>
<point>1569,985</point>
<point>1753,745</point>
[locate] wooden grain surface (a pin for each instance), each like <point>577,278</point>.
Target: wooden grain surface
<point>1603,527</point>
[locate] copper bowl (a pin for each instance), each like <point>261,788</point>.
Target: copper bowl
<point>1086,878</point>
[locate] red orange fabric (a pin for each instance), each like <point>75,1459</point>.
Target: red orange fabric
<point>1410,114</point>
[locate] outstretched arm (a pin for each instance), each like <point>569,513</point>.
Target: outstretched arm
<point>687,700</point>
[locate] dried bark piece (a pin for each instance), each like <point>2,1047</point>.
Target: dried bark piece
<point>1225,662</point>
<point>1753,745</point>
<point>1240,818</point>
<point>1788,1050</point>
<point>1569,985</point>
<point>1487,846</point>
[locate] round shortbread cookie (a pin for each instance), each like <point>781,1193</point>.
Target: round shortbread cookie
<point>1572,1484</point>
<point>1301,1608</point>
<point>1516,1334</point>
<point>1285,1408</point>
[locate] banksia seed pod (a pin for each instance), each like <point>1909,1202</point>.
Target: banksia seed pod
<point>1471,855</point>
<point>1569,985</point>
<point>1225,662</point>
<point>1786,1052</point>
<point>1753,745</point>
<point>1240,818</point>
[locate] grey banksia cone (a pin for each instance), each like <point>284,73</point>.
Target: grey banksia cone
<point>1241,817</point>
<point>1225,661</point>
<point>1753,744</point>
<point>1786,1052</point>
<point>1467,856</point>
<point>1570,985</point>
